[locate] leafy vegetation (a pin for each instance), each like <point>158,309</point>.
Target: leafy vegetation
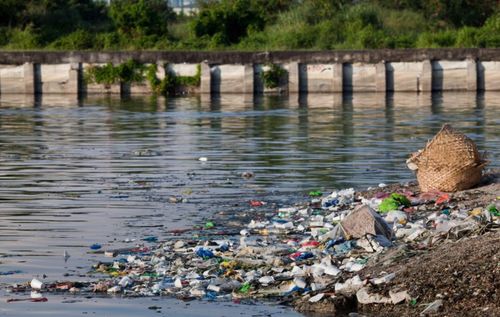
<point>248,24</point>
<point>128,72</point>
<point>134,72</point>
<point>172,84</point>
<point>273,76</point>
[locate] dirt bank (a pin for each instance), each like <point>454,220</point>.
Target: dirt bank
<point>463,271</point>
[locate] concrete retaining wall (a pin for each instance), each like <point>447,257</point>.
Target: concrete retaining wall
<point>241,72</point>
<point>17,79</point>
<point>325,78</point>
<point>488,75</point>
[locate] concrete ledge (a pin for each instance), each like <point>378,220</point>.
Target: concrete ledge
<point>309,57</point>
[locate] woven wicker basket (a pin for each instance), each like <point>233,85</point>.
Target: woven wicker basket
<point>449,162</point>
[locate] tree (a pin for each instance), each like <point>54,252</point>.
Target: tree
<point>456,12</point>
<point>229,20</point>
<point>141,17</point>
<point>51,19</point>
<point>9,12</point>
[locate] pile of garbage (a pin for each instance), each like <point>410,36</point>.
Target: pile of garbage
<point>311,252</point>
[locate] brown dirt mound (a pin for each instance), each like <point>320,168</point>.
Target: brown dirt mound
<point>465,274</point>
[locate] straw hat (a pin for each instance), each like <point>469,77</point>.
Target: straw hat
<point>449,162</point>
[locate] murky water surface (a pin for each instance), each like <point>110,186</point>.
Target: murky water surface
<point>102,170</point>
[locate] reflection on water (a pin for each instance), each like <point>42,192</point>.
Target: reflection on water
<point>74,172</point>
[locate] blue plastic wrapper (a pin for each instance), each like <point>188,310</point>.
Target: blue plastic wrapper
<point>329,203</point>
<point>204,253</point>
<point>224,248</point>
<point>95,246</point>
<point>293,290</point>
<point>344,247</point>
<point>333,242</point>
<point>210,295</point>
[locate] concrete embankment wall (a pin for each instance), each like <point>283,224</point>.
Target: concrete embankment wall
<point>412,70</point>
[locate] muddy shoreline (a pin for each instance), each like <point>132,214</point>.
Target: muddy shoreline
<point>462,271</point>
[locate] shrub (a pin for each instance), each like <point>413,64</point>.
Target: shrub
<point>25,39</point>
<point>128,72</point>
<point>273,77</point>
<point>437,39</point>
<point>141,17</point>
<point>467,37</point>
<point>171,84</point>
<point>78,40</point>
<point>107,41</point>
<point>489,34</point>
<point>227,20</point>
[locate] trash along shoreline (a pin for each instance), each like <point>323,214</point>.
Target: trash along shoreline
<point>385,251</point>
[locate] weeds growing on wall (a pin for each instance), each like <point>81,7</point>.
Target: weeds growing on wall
<point>273,76</point>
<point>171,84</point>
<point>134,72</point>
<point>129,72</point>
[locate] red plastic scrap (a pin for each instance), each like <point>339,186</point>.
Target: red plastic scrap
<point>140,250</point>
<point>444,198</point>
<point>313,244</point>
<point>429,195</point>
<point>256,203</point>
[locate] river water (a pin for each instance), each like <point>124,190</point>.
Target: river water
<point>102,170</point>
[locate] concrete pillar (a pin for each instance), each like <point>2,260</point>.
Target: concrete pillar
<point>380,77</point>
<point>248,79</point>
<point>425,79</point>
<point>29,78</point>
<point>293,77</point>
<point>471,75</point>
<point>74,79</point>
<point>205,81</point>
<point>338,77</point>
